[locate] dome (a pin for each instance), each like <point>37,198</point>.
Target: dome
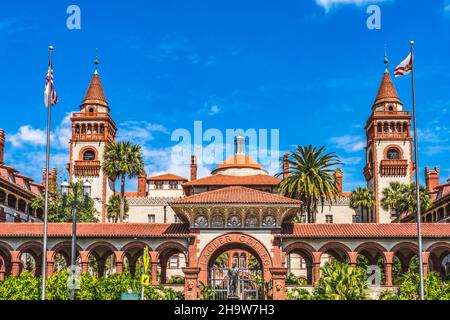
<point>239,164</point>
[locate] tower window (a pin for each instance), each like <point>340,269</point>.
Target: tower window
<point>91,110</point>
<point>391,108</point>
<point>393,154</point>
<point>89,155</point>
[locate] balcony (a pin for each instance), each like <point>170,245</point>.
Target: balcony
<point>87,168</point>
<point>394,167</point>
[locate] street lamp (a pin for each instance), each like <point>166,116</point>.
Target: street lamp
<point>65,188</point>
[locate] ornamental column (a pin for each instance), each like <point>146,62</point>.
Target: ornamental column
<point>50,262</point>
<point>154,268</point>
<point>191,290</point>
<point>388,258</point>
<point>15,263</point>
<point>278,283</point>
<point>316,266</point>
<point>353,258</point>
<point>84,255</point>
<point>119,261</point>
<point>425,257</point>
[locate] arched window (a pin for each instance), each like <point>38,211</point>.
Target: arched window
<point>89,155</point>
<point>243,261</point>
<point>393,154</point>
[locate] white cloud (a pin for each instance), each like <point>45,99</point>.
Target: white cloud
<point>328,4</point>
<point>350,143</point>
<point>27,135</point>
<point>139,132</point>
<point>214,110</point>
<point>351,160</point>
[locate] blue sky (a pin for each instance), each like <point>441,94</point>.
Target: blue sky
<point>309,68</point>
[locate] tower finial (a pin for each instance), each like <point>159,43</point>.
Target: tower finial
<point>386,60</point>
<point>96,62</point>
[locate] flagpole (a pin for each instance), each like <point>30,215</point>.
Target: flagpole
<point>416,155</point>
<point>47,160</point>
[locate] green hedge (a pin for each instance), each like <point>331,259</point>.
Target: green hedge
<point>28,287</point>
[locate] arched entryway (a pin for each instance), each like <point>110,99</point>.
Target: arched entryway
<point>251,274</point>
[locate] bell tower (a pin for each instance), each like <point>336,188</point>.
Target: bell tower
<point>389,145</point>
<point>92,129</point>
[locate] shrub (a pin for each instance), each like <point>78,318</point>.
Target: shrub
<point>299,294</point>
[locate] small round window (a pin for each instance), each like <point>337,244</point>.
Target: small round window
<point>89,155</point>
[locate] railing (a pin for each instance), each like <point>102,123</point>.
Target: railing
<point>394,167</point>
<point>248,287</point>
<point>87,168</point>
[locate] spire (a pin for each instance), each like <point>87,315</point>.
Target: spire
<point>95,94</point>
<point>387,91</point>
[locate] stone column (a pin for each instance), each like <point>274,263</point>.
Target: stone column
<point>353,258</point>
<point>316,266</point>
<point>119,261</point>
<point>15,263</point>
<point>154,268</point>
<point>279,283</point>
<point>425,257</point>
<point>84,261</point>
<point>388,256</point>
<point>50,262</point>
<point>191,290</point>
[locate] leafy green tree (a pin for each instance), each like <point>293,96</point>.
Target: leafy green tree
<point>113,208</point>
<point>123,159</point>
<point>299,294</point>
<point>362,198</point>
<point>401,198</point>
<point>86,212</point>
<point>22,287</point>
<point>340,281</point>
<point>311,178</point>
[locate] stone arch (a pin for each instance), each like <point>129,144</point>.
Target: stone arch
<point>306,252</point>
<point>5,260</point>
<point>437,253</point>
<point>372,251</point>
<point>99,253</point>
<point>405,251</point>
<point>393,147</point>
<point>34,250</point>
<point>230,241</point>
<point>64,249</point>
<point>88,148</point>
<point>164,252</point>
<point>337,250</point>
<point>131,253</point>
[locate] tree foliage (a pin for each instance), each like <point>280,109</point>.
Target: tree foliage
<point>113,208</point>
<point>362,198</point>
<point>311,178</point>
<point>86,212</point>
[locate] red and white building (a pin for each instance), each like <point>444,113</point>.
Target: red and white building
<point>197,228</point>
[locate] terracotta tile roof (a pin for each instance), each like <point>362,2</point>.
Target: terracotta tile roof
<point>167,177</point>
<point>19,180</point>
<point>95,93</point>
<point>387,91</point>
<point>224,180</point>
<point>235,195</point>
<point>359,230</point>
<point>239,161</point>
<point>95,230</point>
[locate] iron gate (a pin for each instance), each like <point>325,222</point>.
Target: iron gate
<point>248,288</point>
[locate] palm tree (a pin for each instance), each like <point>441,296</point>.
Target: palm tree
<point>392,197</point>
<point>123,159</point>
<point>401,198</point>
<point>311,178</point>
<point>362,198</point>
<point>113,208</point>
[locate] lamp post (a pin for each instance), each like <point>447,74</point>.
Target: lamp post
<point>65,187</point>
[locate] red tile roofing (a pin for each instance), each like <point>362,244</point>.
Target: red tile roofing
<point>167,177</point>
<point>224,180</point>
<point>387,91</point>
<point>359,230</point>
<point>95,230</point>
<point>19,179</point>
<point>235,195</point>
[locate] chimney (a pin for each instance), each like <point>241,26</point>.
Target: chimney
<point>142,185</point>
<point>432,178</point>
<point>285,166</point>
<point>52,180</point>
<point>338,176</point>
<point>193,168</point>
<point>239,145</point>
<point>2,145</point>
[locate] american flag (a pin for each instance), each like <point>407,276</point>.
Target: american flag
<point>50,92</point>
